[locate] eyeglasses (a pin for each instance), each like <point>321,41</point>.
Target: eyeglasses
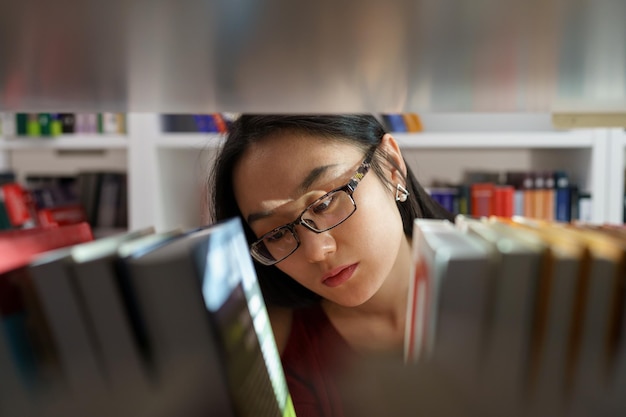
<point>328,211</point>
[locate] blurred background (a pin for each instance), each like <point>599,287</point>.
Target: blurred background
<point>322,56</point>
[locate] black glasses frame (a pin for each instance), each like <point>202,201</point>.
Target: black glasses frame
<point>346,188</point>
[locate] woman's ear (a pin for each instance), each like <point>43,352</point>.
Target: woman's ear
<point>390,147</point>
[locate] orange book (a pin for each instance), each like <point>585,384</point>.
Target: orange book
<point>549,196</point>
<point>530,195</point>
<point>413,122</point>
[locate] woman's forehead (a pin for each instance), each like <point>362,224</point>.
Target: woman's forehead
<point>282,170</point>
<point>296,151</point>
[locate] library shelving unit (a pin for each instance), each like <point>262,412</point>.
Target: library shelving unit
<point>446,156</point>
<point>168,172</point>
<point>616,167</point>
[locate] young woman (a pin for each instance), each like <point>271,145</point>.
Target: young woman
<point>328,204</point>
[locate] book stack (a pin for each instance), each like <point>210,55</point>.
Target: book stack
<point>137,324</point>
<point>98,197</point>
<point>528,316</point>
<point>198,123</point>
<point>55,124</point>
<point>545,195</point>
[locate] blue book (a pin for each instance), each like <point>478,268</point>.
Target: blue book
<point>205,123</point>
<point>562,204</point>
<point>395,121</point>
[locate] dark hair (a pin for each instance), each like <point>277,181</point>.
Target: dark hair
<point>363,131</point>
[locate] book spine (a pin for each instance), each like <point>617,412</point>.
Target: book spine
<point>21,121</point>
<point>33,128</point>
<point>482,199</point>
<point>396,122</point>
<point>562,209</point>
<point>44,124</point>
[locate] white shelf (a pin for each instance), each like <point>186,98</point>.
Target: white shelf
<point>168,171</point>
<point>496,140</point>
<point>189,140</point>
<point>74,141</point>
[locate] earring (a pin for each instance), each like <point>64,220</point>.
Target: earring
<point>401,193</point>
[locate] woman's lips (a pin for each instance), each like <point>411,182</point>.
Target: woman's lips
<point>338,276</point>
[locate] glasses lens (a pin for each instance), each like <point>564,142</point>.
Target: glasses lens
<point>329,211</point>
<point>275,246</point>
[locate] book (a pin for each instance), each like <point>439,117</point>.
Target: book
<point>44,120</point>
<point>21,120</point>
<point>412,122</point>
<point>516,180</point>
<point>482,196</point>
<point>35,364</point>
<point>562,207</point>
<point>13,396</point>
<point>596,337</point>
<point>448,295</point>
<point>19,247</point>
<point>33,128</point>
<point>503,200</point>
<point>71,330</point>
<point>517,269</point>
<point>395,122</point>
<point>68,122</point>
<point>446,197</point>
<point>566,265</point>
<point>93,274</point>
<point>16,204</point>
<point>207,327</point>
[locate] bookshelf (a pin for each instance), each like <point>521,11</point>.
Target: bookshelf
<point>67,142</point>
<point>616,168</point>
<point>167,172</point>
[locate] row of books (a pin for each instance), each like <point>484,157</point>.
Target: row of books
<point>99,198</point>
<point>528,316</point>
<point>55,124</point>
<point>401,122</point>
<point>545,195</point>
<point>140,323</point>
<point>200,123</point>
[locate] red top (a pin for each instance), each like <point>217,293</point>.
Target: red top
<point>312,357</point>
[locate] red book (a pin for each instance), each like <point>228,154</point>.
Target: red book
<point>503,200</point>
<point>62,215</point>
<point>482,199</point>
<point>19,247</point>
<point>16,203</point>
<point>220,123</point>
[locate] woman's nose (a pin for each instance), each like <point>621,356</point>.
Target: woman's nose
<point>316,246</point>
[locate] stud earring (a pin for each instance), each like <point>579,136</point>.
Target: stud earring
<point>401,193</point>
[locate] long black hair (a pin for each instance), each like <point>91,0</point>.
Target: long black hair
<point>362,131</point>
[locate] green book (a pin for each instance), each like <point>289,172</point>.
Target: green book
<point>21,120</point>
<point>32,125</point>
<point>44,120</point>
<point>56,125</point>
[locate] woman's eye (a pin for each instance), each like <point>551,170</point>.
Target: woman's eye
<point>323,205</point>
<point>276,236</point>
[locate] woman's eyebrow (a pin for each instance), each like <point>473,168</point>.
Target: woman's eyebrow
<point>308,181</point>
<point>313,176</point>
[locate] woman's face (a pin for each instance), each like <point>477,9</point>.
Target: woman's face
<point>347,264</point>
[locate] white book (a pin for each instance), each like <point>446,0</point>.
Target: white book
<point>448,299</point>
